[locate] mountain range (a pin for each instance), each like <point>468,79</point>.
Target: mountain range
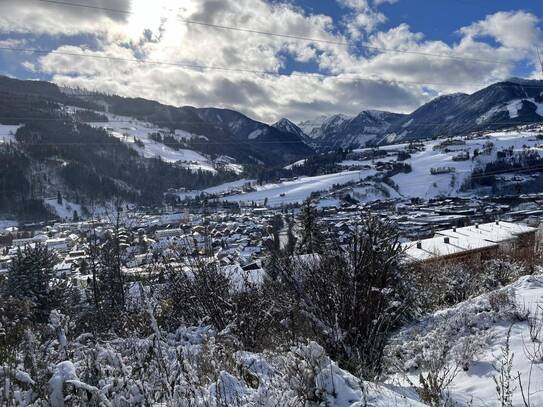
<point>96,146</point>
<point>501,105</point>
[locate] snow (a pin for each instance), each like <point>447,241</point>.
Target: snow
<point>228,186</point>
<point>408,123</point>
<point>64,371</point>
<point>64,210</point>
<point>127,129</point>
<point>477,323</point>
<point>296,191</point>
<point>7,224</point>
<point>420,183</point>
<point>313,128</point>
<point>255,134</point>
<point>513,108</point>
<point>492,232</point>
<point>516,105</point>
<point>309,126</point>
<point>296,164</point>
<point>7,133</point>
<point>438,247</point>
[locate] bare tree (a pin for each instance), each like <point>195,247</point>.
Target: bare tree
<point>352,296</point>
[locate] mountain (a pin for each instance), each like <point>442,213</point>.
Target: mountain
<point>218,131</point>
<point>286,126</point>
<point>501,105</point>
<point>345,131</point>
<point>269,144</point>
<point>94,147</point>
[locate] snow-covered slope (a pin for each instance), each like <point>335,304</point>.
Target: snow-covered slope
<point>347,131</point>
<point>476,333</point>
<point>286,126</point>
<point>421,183</point>
<point>497,106</point>
<point>132,132</point>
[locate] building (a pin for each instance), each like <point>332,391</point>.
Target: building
<point>474,243</point>
<point>447,248</point>
<point>507,235</point>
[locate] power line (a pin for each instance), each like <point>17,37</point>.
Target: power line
<point>290,36</point>
<point>136,121</point>
<point>197,67</point>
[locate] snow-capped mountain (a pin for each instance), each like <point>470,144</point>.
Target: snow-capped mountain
<point>309,126</point>
<point>268,144</point>
<point>346,131</point>
<point>501,105</point>
<point>286,126</point>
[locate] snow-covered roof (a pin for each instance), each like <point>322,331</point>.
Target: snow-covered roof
<point>442,246</point>
<point>459,240</point>
<point>496,232</point>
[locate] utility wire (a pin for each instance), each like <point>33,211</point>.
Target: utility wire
<point>289,36</point>
<point>136,121</point>
<point>198,67</point>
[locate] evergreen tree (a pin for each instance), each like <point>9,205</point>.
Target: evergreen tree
<point>30,276</point>
<point>312,240</point>
<point>277,224</point>
<point>59,198</point>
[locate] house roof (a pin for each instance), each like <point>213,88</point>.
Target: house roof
<point>465,239</point>
<point>496,232</point>
<point>435,247</point>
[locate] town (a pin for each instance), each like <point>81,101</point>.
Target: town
<point>242,236</point>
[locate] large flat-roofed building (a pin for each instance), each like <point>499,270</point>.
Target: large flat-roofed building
<point>446,248</point>
<point>476,242</point>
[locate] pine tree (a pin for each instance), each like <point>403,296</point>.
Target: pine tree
<point>59,198</point>
<point>30,276</point>
<point>312,240</point>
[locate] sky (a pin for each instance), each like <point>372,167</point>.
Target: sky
<point>390,55</point>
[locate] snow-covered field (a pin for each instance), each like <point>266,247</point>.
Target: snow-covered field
<point>420,183</point>
<point>228,186</point>
<point>65,210</point>
<point>300,189</point>
<point>5,224</point>
<point>7,133</point>
<point>417,183</point>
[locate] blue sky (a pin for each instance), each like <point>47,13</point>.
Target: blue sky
<point>354,80</point>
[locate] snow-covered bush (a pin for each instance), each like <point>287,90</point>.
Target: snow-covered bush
<point>449,282</point>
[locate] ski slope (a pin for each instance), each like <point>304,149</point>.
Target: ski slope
<point>229,186</point>
<point>128,129</point>
<point>296,191</point>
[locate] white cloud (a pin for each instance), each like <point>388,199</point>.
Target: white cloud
<point>156,34</point>
<point>514,29</point>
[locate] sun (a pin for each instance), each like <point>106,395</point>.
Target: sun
<point>148,15</point>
